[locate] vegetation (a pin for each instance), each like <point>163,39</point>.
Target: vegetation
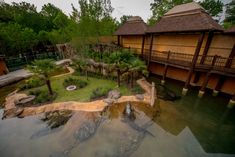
<point>99,93</point>
<point>82,94</point>
<point>31,83</point>
<point>230,15</point>
<point>160,7</point>
<point>43,70</point>
<point>74,81</point>
<point>42,96</point>
<point>23,29</point>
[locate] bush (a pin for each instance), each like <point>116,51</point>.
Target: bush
<point>32,83</point>
<point>42,96</point>
<point>73,81</point>
<point>99,93</point>
<point>137,90</point>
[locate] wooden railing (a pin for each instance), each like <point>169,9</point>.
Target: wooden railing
<point>185,60</point>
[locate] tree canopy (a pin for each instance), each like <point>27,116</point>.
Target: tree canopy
<point>160,7</point>
<point>23,28</point>
<point>230,14</point>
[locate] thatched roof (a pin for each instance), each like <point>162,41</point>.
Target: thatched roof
<point>190,17</point>
<point>134,26</point>
<point>231,30</point>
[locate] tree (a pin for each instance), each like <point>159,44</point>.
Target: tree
<point>124,18</point>
<point>160,7</point>
<point>213,7</point>
<point>230,14</point>
<point>93,16</point>
<point>43,69</point>
<point>81,65</point>
<point>136,66</point>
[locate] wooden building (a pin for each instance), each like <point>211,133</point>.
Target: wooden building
<point>132,34</point>
<point>186,44</point>
<point>3,67</point>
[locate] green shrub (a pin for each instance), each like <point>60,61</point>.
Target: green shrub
<point>99,92</point>
<point>42,96</point>
<point>73,81</point>
<point>31,83</point>
<point>137,90</point>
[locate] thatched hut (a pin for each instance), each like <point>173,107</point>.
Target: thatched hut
<point>183,44</point>
<point>132,34</point>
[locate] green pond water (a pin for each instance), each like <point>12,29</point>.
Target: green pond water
<point>188,127</point>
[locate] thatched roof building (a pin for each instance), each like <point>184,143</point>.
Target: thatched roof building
<point>190,17</point>
<point>134,26</point>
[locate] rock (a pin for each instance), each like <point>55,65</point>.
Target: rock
<point>86,131</point>
<point>25,101</point>
<point>109,101</point>
<point>114,94</point>
<point>13,112</point>
<point>139,96</point>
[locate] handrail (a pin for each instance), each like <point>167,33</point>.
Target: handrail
<point>185,59</point>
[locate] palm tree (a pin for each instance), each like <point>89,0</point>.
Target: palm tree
<point>81,65</point>
<point>43,69</point>
<point>137,66</point>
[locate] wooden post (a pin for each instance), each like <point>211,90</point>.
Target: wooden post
<point>219,85</point>
<point>194,61</point>
<point>142,48</point>
<point>165,69</point>
<point>230,59</point>
<point>231,103</point>
<point>118,40</point>
<point>150,49</point>
<point>204,84</point>
<point>207,46</point>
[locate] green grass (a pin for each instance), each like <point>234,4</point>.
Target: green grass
<point>84,93</point>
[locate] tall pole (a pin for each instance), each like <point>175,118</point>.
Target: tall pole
<point>194,61</point>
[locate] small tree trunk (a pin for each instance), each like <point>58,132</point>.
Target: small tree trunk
<point>86,75</point>
<point>48,82</point>
<point>132,80</point>
<point>118,78</point>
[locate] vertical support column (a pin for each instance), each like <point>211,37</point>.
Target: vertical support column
<point>142,48</point>
<point>204,84</point>
<point>165,69</point>
<point>207,46</point>
<point>218,85</point>
<point>150,49</point>
<point>230,59</point>
<point>194,61</point>
<point>231,103</point>
<point>118,40</point>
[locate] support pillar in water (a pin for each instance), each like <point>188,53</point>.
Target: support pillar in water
<point>184,91</point>
<point>231,103</point>
<point>201,93</point>
<point>163,82</point>
<point>215,93</point>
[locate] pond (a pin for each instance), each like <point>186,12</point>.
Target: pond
<point>187,127</point>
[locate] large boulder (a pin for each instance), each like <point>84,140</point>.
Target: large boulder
<point>114,94</point>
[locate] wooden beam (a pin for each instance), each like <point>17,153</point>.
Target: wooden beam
<point>166,67</point>
<point>204,84</point>
<point>220,83</point>
<point>118,40</point>
<point>142,48</point>
<point>194,61</point>
<point>150,49</point>
<point>230,59</point>
<point>207,46</point>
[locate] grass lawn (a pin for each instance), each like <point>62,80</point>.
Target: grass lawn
<point>82,94</point>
